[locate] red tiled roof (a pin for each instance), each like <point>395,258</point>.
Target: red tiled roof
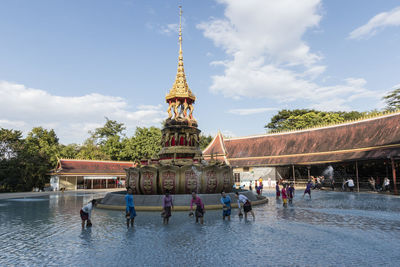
<point>88,167</point>
<point>372,138</point>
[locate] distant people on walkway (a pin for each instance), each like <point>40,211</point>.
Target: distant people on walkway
<point>350,184</point>
<point>378,186</point>
<point>261,186</point>
<point>86,213</point>
<point>333,183</point>
<point>250,186</point>
<point>226,206</point>
<point>246,205</point>
<point>277,189</point>
<point>291,193</point>
<point>199,213</point>
<point>258,190</point>
<point>386,184</point>
<point>371,183</point>
<point>269,183</point>
<point>167,205</point>
<point>284,195</point>
<point>130,212</point>
<point>308,188</point>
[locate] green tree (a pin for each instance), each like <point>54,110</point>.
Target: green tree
<point>11,146</point>
<point>311,119</point>
<point>90,150</point>
<point>304,118</point>
<point>392,100</point>
<point>110,129</point>
<point>68,151</point>
<point>205,141</point>
<point>277,121</point>
<point>145,143</point>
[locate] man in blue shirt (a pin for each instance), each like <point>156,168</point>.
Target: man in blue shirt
<point>130,208</point>
<point>226,206</point>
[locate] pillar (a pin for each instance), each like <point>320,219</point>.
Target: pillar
<point>106,183</point>
<point>394,175</point>
<point>91,180</point>
<point>76,182</point>
<point>308,172</point>
<point>358,185</point>
<point>294,174</point>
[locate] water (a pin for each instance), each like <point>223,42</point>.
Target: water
<point>333,229</point>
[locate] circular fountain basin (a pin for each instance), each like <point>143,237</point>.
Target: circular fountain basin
<point>116,201</point>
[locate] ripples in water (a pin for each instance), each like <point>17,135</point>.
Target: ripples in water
<point>330,230</point>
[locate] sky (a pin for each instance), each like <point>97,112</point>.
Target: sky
<point>68,64</point>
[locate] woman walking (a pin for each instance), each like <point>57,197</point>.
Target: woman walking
<point>167,206</point>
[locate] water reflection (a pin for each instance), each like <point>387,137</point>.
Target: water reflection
<point>47,231</point>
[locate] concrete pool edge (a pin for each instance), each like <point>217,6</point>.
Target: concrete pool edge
<point>176,208</point>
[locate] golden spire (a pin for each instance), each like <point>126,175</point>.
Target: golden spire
<point>180,88</point>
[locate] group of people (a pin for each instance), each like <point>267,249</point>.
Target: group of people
<point>377,185</point>
<point>287,192</point>
<point>196,208</point>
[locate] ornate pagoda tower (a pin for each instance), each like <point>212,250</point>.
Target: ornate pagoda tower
<point>179,167</point>
<point>180,135</point>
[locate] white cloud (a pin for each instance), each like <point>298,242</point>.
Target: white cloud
<point>169,28</point>
<point>267,56</point>
<point>250,111</point>
<point>377,23</point>
<point>71,117</point>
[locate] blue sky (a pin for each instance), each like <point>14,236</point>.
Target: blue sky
<point>68,64</point>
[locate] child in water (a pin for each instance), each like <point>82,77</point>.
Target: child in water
<point>284,195</point>
<point>278,191</point>
<point>291,193</point>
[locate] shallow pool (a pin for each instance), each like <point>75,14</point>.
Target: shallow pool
<point>332,229</point>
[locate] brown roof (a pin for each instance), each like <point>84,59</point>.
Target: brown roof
<point>91,167</point>
<point>367,139</point>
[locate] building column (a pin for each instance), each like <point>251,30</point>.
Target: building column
<point>394,176</point>
<point>294,174</point>
<point>358,185</point>
<point>76,182</point>
<point>308,172</point>
<point>91,180</point>
<point>106,183</point>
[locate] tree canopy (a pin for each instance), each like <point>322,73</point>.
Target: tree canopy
<point>304,118</point>
<point>392,100</point>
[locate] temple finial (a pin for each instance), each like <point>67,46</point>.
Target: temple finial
<point>180,29</point>
<point>180,89</point>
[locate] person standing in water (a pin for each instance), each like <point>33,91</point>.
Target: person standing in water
<point>284,195</point>
<point>130,208</point>
<point>199,213</point>
<point>246,205</point>
<point>167,206</point>
<point>308,188</point>
<point>226,206</point>
<point>291,193</point>
<point>86,213</point>
<point>278,191</point>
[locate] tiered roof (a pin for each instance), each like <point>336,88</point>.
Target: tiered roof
<point>91,167</point>
<point>371,138</point>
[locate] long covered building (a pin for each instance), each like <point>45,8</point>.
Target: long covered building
<point>73,174</point>
<point>357,149</point>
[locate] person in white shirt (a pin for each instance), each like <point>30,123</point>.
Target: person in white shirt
<point>86,213</point>
<point>350,184</point>
<point>386,184</point>
<point>246,205</point>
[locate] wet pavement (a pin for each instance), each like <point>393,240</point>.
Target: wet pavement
<point>332,229</point>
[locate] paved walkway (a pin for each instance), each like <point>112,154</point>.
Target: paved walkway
<point>40,194</point>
